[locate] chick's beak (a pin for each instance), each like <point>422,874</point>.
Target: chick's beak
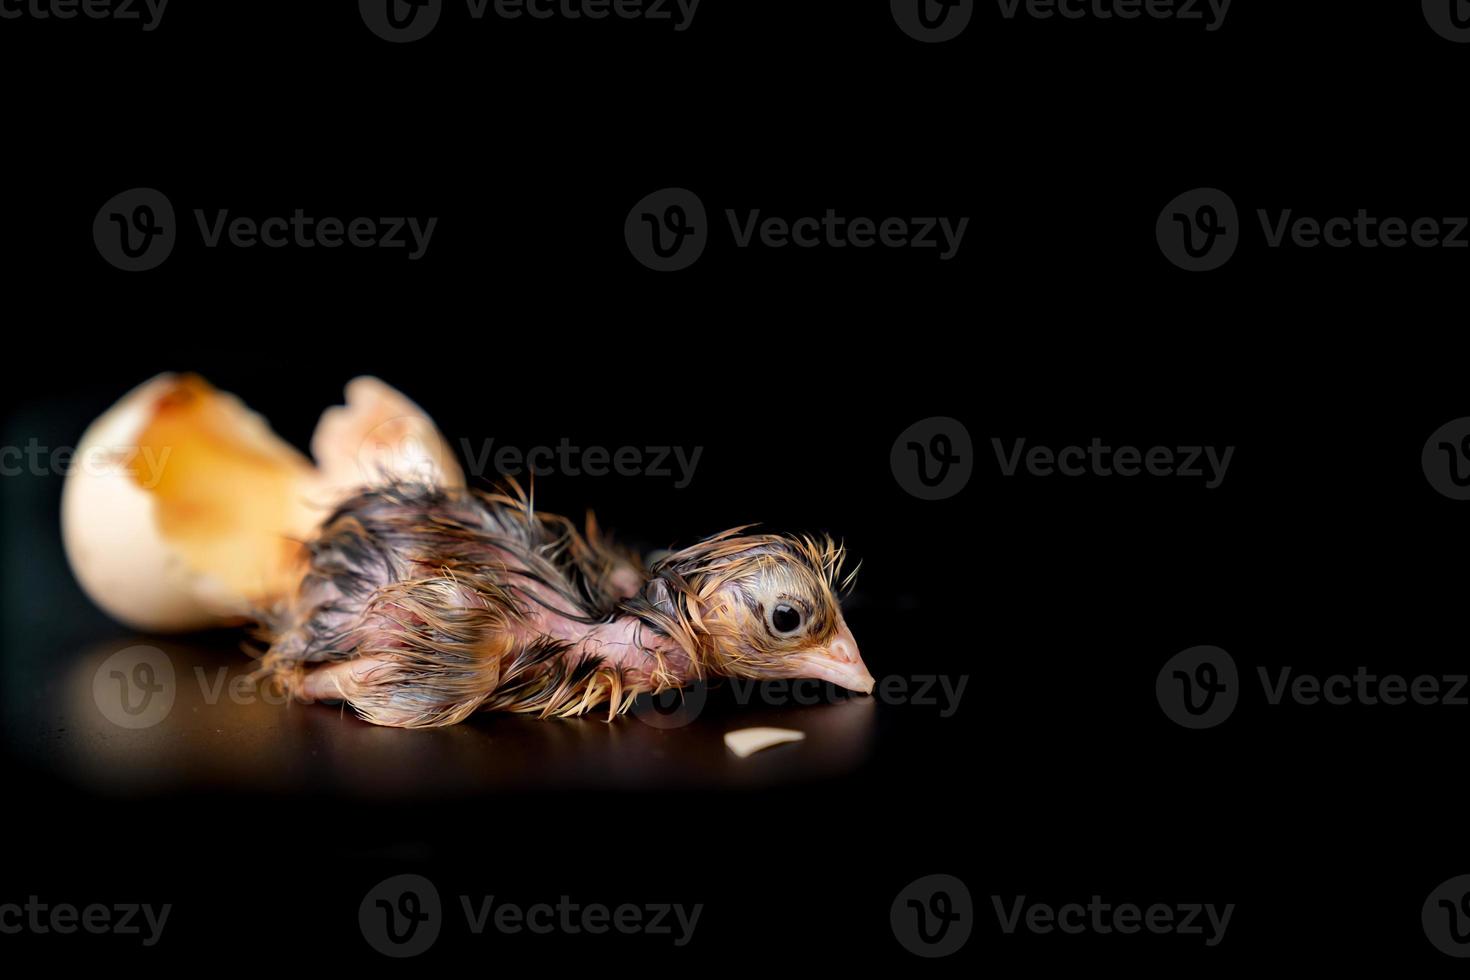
<point>839,662</point>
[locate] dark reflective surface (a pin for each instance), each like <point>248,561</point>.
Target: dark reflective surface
<point>204,724</point>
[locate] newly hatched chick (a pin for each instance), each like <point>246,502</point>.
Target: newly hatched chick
<point>418,601</point>
<point>425,604</point>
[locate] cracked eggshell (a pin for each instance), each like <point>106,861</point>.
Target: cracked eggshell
<point>128,540</point>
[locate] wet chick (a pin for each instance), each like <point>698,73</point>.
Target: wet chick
<point>423,605</point>
<point>419,602</point>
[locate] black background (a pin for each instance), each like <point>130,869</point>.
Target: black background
<point>1059,777</point>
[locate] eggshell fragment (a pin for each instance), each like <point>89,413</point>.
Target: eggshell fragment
<point>377,436</point>
<point>180,509</point>
<point>745,741</point>
<point>185,511</point>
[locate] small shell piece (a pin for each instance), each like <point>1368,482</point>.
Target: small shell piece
<point>745,741</point>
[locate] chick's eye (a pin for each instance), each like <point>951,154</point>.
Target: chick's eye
<point>785,618</point>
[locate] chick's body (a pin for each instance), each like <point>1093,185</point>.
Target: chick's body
<point>423,604</point>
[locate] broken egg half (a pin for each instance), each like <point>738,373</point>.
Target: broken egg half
<point>183,510</point>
